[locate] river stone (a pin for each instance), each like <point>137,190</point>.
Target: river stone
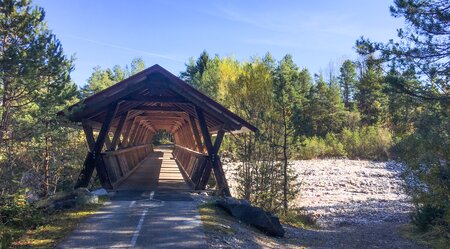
<point>254,216</point>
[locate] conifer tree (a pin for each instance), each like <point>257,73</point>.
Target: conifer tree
<point>370,96</point>
<point>347,81</point>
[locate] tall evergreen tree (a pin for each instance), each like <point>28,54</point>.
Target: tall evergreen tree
<point>35,84</point>
<point>423,46</point>
<point>347,81</point>
<point>137,65</point>
<point>287,99</point>
<point>325,111</point>
<point>31,58</point>
<point>370,96</point>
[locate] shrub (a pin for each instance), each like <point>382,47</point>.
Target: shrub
<point>370,142</point>
<point>334,147</point>
<point>427,216</point>
<point>17,212</point>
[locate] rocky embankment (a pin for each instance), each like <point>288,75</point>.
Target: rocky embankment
<point>341,192</point>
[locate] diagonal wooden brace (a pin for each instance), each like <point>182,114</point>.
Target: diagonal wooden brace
<point>93,158</point>
<point>213,157</point>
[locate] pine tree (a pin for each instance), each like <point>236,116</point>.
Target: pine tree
<point>325,112</point>
<point>370,96</point>
<point>287,98</point>
<point>29,55</point>
<point>35,84</point>
<point>347,81</point>
<point>423,46</point>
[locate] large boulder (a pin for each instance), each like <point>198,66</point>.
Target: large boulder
<point>83,197</point>
<point>64,200</point>
<point>257,217</point>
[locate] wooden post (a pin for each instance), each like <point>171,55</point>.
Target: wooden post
<point>93,158</point>
<point>213,158</point>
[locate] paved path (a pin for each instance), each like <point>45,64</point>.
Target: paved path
<point>151,209</point>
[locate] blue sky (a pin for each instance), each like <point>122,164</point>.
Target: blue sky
<point>168,33</point>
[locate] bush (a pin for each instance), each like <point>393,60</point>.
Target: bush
<point>15,211</point>
<point>370,142</point>
<point>427,216</point>
<point>16,215</point>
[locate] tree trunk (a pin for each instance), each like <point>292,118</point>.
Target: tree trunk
<point>285,158</point>
<point>46,166</point>
<point>4,123</point>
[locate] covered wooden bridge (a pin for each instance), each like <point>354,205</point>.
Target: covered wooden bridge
<point>128,114</point>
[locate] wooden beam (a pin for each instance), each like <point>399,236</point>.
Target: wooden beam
<point>118,131</point>
<point>126,135</point>
<point>204,129</point>
<point>93,158</point>
<point>107,141</point>
<point>198,140</point>
<point>218,140</point>
<point>159,109</point>
<point>103,101</point>
<point>89,132</point>
<point>213,158</point>
<point>156,99</point>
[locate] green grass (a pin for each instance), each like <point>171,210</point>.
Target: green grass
<point>299,219</point>
<point>216,220</point>
<point>52,228</point>
<point>438,237</point>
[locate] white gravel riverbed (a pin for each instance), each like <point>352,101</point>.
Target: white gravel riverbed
<point>342,192</point>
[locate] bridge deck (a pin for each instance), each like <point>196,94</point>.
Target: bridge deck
<point>158,172</point>
<point>135,218</point>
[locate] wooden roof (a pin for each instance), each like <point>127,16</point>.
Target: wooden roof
<point>161,99</point>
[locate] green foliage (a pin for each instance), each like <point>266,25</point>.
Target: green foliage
<point>323,110</point>
<point>370,94</point>
<point>427,216</point>
<point>420,70</point>
<point>370,142</point>
<point>36,149</point>
<point>15,211</point>
<point>362,143</point>
<point>422,47</point>
<point>103,78</point>
<point>426,153</point>
<point>347,82</point>
<point>16,215</point>
<point>162,137</point>
<point>298,218</point>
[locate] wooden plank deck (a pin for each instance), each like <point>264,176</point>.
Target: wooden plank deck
<point>159,172</point>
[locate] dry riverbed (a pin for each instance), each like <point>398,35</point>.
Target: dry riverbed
<point>357,204</point>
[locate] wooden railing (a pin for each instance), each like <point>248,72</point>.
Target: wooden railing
<point>191,162</point>
<point>121,163</point>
